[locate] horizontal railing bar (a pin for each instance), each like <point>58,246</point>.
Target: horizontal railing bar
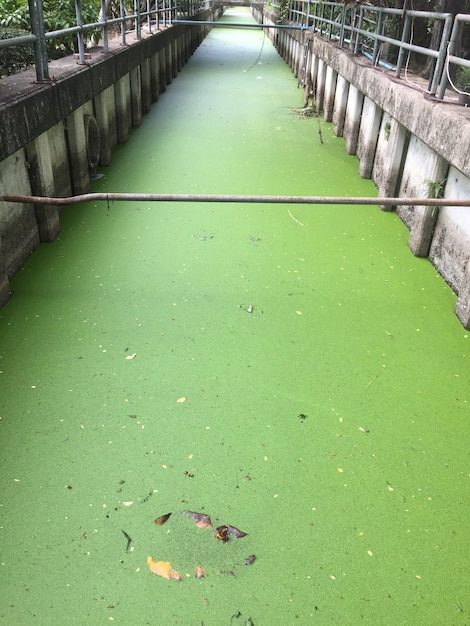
<point>169,197</point>
<point>17,41</point>
<point>240,24</point>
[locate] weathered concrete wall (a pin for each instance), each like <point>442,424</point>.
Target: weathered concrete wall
<point>408,145</point>
<point>53,136</point>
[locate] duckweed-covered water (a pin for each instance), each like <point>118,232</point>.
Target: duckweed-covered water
<point>291,371</point>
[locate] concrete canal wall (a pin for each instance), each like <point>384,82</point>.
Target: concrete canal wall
<point>408,145</point>
<point>54,135</point>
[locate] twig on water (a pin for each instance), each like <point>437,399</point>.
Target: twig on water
<point>295,219</point>
<point>372,381</point>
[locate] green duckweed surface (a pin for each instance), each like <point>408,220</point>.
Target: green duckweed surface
<point>292,371</point>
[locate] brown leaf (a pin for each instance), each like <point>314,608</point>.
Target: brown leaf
<point>231,530</point>
<point>200,573</point>
<point>221,532</point>
<point>162,519</point>
<point>201,519</point>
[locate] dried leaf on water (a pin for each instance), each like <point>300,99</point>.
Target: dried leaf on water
<point>163,569</point>
<point>200,573</point>
<point>162,519</point>
<point>129,357</point>
<point>250,559</point>
<point>222,533</point>
<point>235,532</point>
<point>201,519</point>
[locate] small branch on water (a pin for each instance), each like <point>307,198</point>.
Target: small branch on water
<point>372,381</point>
<point>295,219</point>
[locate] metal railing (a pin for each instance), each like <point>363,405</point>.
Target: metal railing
<point>158,14</point>
<point>386,36</point>
<point>233,199</point>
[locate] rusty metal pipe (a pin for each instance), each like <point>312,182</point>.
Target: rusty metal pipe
<point>169,197</point>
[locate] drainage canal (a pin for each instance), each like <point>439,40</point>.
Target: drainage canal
<point>290,372</point>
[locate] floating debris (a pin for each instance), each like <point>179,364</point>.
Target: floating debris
<point>223,532</point>
<point>129,540</point>
<point>200,573</point>
<point>203,236</point>
<point>250,559</point>
<point>250,308</point>
<point>235,532</point>
<point>163,569</point>
<point>201,519</point>
<point>131,356</point>
<point>162,519</point>
<point>295,219</point>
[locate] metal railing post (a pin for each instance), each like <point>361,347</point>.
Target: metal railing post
<point>149,18</point>
<point>358,37</point>
<point>441,59</point>
<point>377,44</point>
<point>122,10</point>
<point>137,19</point>
<point>104,28</point>
<point>452,45</point>
<point>343,23</point>
<point>404,39</point>
<point>39,46</point>
<point>81,45</point>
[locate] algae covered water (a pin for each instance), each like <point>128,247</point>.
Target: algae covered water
<point>290,372</point>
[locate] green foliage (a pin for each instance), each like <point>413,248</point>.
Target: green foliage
<point>387,129</point>
<point>17,58</point>
<point>58,14</point>
<point>283,11</point>
<point>462,78</point>
<point>435,188</point>
<point>14,14</point>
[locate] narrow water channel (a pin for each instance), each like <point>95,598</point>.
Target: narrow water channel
<point>292,372</point>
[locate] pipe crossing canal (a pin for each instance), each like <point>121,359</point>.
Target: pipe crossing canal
<point>292,372</point>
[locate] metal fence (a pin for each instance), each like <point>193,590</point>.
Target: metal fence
<point>158,14</point>
<point>386,36</point>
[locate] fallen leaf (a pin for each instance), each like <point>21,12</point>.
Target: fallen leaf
<point>222,533</point>
<point>162,519</point>
<point>250,559</point>
<point>181,400</point>
<point>231,530</point>
<point>200,573</point>
<point>128,503</point>
<point>131,356</point>
<point>163,569</point>
<point>201,519</point>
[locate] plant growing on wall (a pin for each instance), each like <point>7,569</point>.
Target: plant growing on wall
<point>387,129</point>
<point>435,188</point>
